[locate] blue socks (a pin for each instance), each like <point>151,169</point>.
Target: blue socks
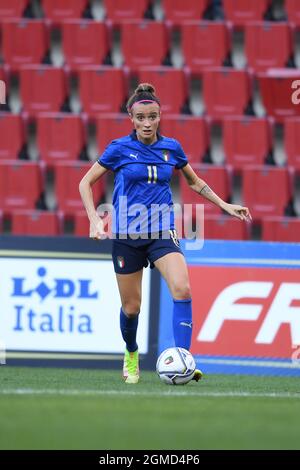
<point>182,326</point>
<point>182,323</point>
<point>128,329</point>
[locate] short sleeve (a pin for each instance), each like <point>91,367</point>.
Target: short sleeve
<point>180,157</point>
<point>110,157</point>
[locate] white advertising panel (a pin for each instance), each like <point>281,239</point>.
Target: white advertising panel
<point>64,305</point>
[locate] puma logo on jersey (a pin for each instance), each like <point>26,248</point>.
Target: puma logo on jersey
<point>133,156</point>
<point>183,323</point>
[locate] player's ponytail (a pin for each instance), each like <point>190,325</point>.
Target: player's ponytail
<point>145,92</point>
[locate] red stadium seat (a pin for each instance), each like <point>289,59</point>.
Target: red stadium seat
<point>60,137</point>
<point>110,127</point>
<point>292,142</point>
<point>172,98</point>
<point>43,88</point>
<point>118,10</point>
<point>58,10</point>
<point>20,184</point>
<point>225,228</point>
<point>35,223</point>
<point>247,141</point>
<point>12,8</point>
<point>3,89</point>
<point>277,92</point>
<point>216,227</point>
<point>24,42</point>
<point>67,177</point>
<point>82,225</point>
<point>293,11</point>
<point>191,132</point>
<point>204,44</point>
<point>85,42</point>
<point>178,11</point>
<point>241,12</point>
<point>266,190</point>
<point>2,74</point>
<point>144,43</point>
<point>226,91</point>
<point>12,136</point>
<point>217,177</point>
<point>102,89</point>
<point>267,45</point>
<point>281,229</point>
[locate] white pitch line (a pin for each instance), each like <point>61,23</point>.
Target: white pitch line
<point>136,392</point>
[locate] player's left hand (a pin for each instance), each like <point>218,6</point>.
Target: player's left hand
<point>238,211</point>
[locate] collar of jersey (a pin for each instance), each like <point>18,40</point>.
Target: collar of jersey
<point>134,137</point>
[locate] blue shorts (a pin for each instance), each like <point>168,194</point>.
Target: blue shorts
<point>130,256</point>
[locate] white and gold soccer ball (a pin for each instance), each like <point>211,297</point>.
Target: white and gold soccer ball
<point>175,366</point>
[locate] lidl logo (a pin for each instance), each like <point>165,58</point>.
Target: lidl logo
<point>58,288</point>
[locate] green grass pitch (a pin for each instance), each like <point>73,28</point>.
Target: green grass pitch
<point>44,408</point>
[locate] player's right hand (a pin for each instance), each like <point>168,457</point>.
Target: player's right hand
<point>97,229</point>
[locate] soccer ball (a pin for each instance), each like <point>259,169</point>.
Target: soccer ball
<point>175,366</point>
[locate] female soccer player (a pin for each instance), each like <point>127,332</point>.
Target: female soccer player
<point>143,163</point>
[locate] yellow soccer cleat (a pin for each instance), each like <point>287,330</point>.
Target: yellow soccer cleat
<point>198,374</point>
<point>131,373</point>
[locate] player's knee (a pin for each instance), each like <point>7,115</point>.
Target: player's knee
<point>181,291</point>
<point>131,309</point>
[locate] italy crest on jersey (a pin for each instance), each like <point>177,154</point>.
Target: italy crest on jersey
<point>166,155</point>
<point>121,261</point>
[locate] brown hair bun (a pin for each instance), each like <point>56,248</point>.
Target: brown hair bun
<point>145,87</point>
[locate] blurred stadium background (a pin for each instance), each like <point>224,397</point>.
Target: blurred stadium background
<point>227,73</point>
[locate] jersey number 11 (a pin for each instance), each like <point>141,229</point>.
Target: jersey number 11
<point>152,174</point>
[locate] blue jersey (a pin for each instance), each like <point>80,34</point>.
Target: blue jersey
<point>142,197</point>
